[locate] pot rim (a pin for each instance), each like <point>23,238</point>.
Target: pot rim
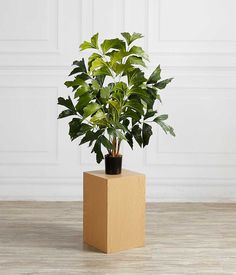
<point>110,156</point>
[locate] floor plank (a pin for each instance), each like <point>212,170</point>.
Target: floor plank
<point>181,238</point>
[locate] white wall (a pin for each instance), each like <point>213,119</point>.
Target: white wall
<point>194,40</point>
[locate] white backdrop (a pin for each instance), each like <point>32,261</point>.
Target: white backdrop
<point>193,40</point>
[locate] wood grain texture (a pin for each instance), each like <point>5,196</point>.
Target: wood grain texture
<point>181,238</point>
<point>95,211</point>
<point>114,210</point>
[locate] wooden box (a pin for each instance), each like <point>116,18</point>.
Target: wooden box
<point>114,210</point>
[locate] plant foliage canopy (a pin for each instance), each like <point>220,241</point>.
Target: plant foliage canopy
<point>112,99</point>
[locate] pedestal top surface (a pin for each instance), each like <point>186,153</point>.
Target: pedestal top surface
<point>124,173</point>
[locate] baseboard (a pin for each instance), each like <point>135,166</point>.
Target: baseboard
<point>158,190</point>
<point>191,190</point>
<point>54,189</point>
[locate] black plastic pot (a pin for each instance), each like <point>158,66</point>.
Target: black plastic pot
<point>113,165</point>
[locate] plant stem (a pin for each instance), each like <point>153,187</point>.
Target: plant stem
<point>118,150</point>
<point>114,147</point>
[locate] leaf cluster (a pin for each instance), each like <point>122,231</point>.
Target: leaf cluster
<point>112,100</point>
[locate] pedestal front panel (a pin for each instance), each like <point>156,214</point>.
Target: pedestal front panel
<point>114,210</point>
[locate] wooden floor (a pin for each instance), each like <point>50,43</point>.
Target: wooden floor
<point>46,238</point>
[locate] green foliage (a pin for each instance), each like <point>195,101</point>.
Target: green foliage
<point>112,98</point>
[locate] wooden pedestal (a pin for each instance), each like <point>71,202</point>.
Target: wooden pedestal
<point>114,210</point>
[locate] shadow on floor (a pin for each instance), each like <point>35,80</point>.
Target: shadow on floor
<point>51,235</point>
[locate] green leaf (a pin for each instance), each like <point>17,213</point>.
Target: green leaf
<point>75,83</point>
<point>100,79</point>
<point>84,128</point>
<point>94,41</point>
<point>136,77</point>
<point>143,94</point>
<point>130,38</point>
<point>127,37</point>
<point>99,118</point>
<point>129,139</point>
<point>119,68</point>
<point>149,113</point>
<point>75,71</point>
<point>118,95</point>
<point>112,44</point>
<point>135,60</point>
<point>126,123</point>
<point>106,143</point>
<point>88,137</point>
<point>96,64</point>
<point>135,36</point>
<point>67,103</point>
<point>83,101</point>
<point>166,128</point>
<point>95,85</point>
<point>85,45</point>
<point>155,76</point>
<point>133,104</point>
<point>105,92</point>
<point>80,67</point>
<point>111,131</point>
<point>91,136</point>
<point>162,84</point>
<point>77,128</point>
<point>102,71</point>
<point>81,90</point>
<point>117,56</point>
<point>93,44</point>
<point>161,117</point>
<point>93,57</point>
<point>98,151</point>
<point>132,114</point>
<point>122,86</point>
<point>147,132</point>
<point>114,104</point>
<point>82,76</point>
<point>137,133</point>
<point>152,92</point>
<point>118,125</point>
<point>114,132</point>
<point>90,109</point>
<point>158,97</point>
<point>139,52</point>
<point>66,113</point>
<point>74,126</point>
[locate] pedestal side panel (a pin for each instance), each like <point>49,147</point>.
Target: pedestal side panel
<point>126,212</point>
<point>95,211</point>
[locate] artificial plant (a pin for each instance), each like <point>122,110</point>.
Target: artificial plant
<point>112,99</point>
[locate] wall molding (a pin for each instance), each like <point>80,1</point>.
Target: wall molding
<point>30,41</point>
<point>29,156</point>
<point>164,191</point>
<point>156,42</point>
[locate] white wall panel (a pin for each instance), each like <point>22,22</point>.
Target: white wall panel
<point>194,41</point>
<point>192,33</point>
<point>29,132</point>
<point>207,138</point>
<point>192,26</point>
<point>38,24</point>
<point>202,20</point>
<point>39,33</point>
<point>25,19</point>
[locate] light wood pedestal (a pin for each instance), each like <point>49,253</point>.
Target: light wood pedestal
<point>114,210</point>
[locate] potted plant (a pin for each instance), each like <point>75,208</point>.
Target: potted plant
<point>113,101</point>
